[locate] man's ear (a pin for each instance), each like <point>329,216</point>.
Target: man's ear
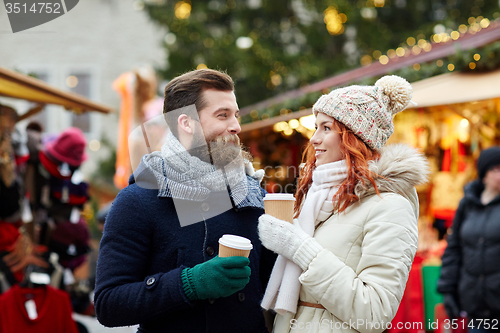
<point>184,123</point>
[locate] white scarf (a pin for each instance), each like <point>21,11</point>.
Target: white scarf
<point>282,293</point>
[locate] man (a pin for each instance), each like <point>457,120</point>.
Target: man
<point>158,264</point>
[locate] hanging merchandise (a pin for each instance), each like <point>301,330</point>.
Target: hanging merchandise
<point>64,170</point>
<point>8,118</point>
<point>68,148</point>
<point>61,158</point>
<point>27,215</point>
<point>447,190</point>
<point>12,149</point>
<point>71,242</point>
<point>10,201</point>
<point>75,215</point>
<point>62,197</point>
<point>8,237</point>
<point>41,310</point>
<point>20,148</point>
<point>67,192</point>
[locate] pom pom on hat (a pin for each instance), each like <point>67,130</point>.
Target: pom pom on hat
<point>398,90</point>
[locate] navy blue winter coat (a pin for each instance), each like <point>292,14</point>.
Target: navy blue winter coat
<point>471,261</point>
<point>144,250</point>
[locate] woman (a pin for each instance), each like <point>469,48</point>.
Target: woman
<point>356,234</point>
<point>470,274</point>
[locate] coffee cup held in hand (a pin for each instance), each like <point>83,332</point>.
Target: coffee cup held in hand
<point>232,245</point>
<point>280,205</point>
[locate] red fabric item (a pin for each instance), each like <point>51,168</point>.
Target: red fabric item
<point>8,235</point>
<point>462,164</point>
<point>445,214</point>
<point>20,160</point>
<point>73,199</point>
<point>446,166</point>
<point>410,315</point>
<point>53,307</point>
<point>50,166</point>
<point>69,147</point>
<point>69,233</point>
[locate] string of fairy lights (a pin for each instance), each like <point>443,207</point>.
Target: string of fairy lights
<point>414,46</point>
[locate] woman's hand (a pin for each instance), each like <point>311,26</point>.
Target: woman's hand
<point>288,239</point>
<point>451,306</point>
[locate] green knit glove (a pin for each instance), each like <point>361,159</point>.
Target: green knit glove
<point>218,277</point>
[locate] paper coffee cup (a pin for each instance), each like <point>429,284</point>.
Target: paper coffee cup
<point>232,245</point>
<point>280,205</point>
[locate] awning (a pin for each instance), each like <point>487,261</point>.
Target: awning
<point>444,89</point>
<point>456,88</point>
<point>17,85</point>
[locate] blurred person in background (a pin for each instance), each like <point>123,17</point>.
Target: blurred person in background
<point>470,273</point>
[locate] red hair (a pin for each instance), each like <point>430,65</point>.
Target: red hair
<point>356,154</point>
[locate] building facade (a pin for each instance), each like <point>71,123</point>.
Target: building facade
<point>84,51</point>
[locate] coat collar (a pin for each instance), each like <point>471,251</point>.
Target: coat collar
<point>473,191</point>
<point>400,168</point>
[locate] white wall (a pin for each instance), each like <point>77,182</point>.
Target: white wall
<point>102,37</point>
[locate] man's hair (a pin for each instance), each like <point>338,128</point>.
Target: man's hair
<point>187,90</point>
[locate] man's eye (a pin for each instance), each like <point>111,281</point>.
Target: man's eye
<point>224,115</point>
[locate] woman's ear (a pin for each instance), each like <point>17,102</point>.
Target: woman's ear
<point>184,124</point>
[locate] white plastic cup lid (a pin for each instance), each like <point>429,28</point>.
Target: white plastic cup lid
<point>236,242</point>
<point>279,196</point>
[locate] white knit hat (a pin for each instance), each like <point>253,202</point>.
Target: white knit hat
<point>368,110</point>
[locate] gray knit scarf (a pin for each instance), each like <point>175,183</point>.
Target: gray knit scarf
<point>182,176</point>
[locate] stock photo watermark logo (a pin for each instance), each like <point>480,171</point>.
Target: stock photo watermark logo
<point>28,14</point>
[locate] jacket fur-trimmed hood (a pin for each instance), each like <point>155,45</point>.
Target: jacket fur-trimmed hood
<point>400,168</point>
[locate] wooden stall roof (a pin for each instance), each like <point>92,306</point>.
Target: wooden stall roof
<point>17,85</point>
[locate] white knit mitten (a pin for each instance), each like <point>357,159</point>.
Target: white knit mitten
<point>249,170</point>
<point>288,239</point>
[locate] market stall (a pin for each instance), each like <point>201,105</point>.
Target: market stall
<point>20,167</point>
<point>16,85</point>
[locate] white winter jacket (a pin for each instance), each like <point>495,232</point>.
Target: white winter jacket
<point>361,274</point>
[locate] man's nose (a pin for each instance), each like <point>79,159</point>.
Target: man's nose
<point>234,127</point>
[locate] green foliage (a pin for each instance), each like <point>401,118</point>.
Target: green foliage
<point>291,44</point>
<point>106,168</point>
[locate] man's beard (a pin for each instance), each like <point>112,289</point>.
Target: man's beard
<point>220,150</point>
